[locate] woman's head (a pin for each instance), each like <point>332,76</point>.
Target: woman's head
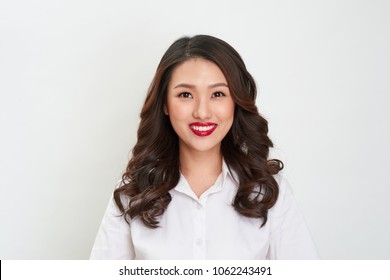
<point>199,106</point>
<point>241,86</point>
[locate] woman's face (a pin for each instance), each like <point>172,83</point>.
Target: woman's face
<point>199,105</point>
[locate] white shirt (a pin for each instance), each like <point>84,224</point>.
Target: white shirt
<point>208,227</point>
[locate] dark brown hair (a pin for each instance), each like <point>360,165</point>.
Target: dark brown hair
<point>153,169</point>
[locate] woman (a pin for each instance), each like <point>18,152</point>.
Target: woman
<point>199,184</point>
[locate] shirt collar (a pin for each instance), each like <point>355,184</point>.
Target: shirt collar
<point>226,171</point>
<point>183,186</point>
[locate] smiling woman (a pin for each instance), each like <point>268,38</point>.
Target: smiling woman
<point>201,109</point>
<point>200,184</point>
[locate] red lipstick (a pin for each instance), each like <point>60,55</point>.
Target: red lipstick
<point>202,129</point>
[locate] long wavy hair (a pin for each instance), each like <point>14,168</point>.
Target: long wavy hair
<point>153,169</point>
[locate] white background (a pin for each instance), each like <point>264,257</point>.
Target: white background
<point>73,77</point>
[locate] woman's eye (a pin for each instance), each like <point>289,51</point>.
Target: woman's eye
<point>185,95</point>
<point>218,94</point>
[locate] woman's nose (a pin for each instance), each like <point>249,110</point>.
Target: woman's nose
<point>202,109</point>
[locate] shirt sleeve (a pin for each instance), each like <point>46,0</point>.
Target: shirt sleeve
<point>289,237</point>
<point>113,240</point>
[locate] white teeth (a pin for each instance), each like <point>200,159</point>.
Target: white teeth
<point>202,128</point>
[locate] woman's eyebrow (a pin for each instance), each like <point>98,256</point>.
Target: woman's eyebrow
<point>184,85</point>
<point>218,85</point>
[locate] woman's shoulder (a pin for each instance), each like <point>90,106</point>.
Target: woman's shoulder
<point>283,184</point>
<point>285,197</point>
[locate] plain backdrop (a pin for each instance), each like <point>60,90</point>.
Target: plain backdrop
<point>73,78</point>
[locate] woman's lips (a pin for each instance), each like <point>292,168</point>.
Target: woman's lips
<point>202,129</point>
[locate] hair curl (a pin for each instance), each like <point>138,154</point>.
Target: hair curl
<point>153,169</point>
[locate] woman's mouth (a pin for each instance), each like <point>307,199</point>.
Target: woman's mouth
<point>202,129</point>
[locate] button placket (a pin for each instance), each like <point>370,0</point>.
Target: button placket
<point>199,231</point>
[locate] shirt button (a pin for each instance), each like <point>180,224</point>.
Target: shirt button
<point>198,206</point>
<point>199,241</point>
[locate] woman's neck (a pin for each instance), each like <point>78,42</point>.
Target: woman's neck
<point>200,169</point>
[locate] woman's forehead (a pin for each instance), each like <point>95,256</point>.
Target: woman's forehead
<point>197,70</point>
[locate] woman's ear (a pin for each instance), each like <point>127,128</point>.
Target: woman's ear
<point>165,108</point>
